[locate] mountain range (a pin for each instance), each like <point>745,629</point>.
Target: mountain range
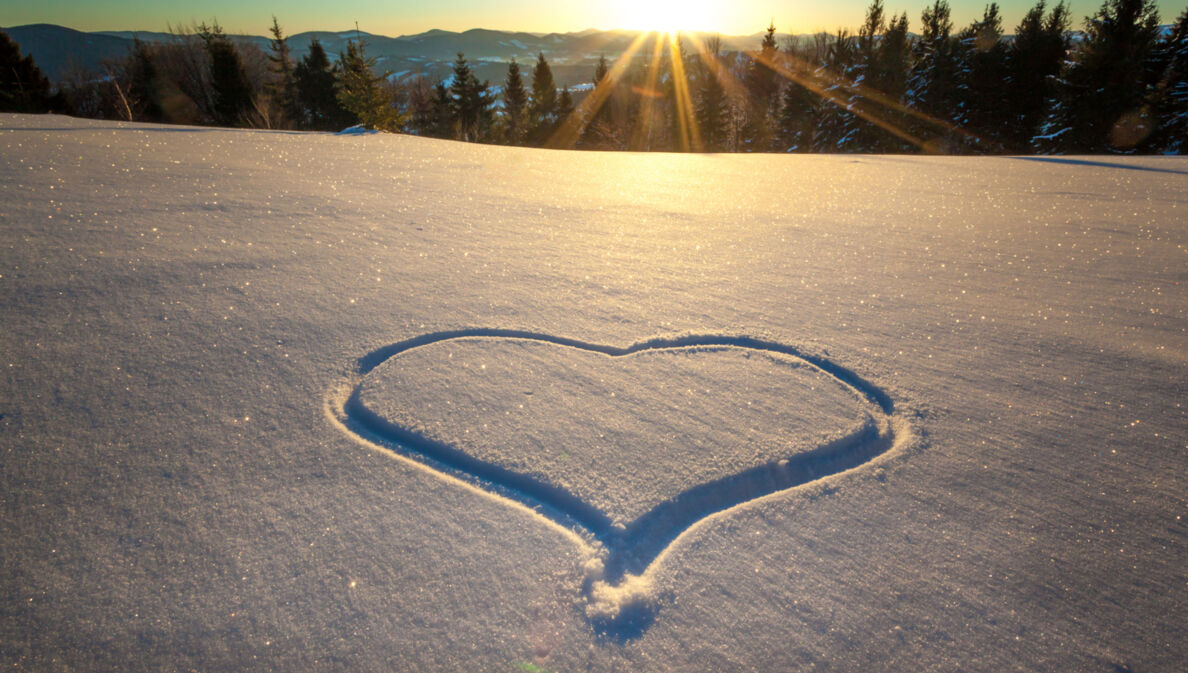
<point>61,52</point>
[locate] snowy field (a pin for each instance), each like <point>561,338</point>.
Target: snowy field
<point>281,402</point>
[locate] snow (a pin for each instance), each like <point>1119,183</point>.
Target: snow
<point>187,310</point>
<point>588,423</point>
<point>357,130</point>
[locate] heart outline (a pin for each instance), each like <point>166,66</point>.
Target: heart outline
<point>632,551</point>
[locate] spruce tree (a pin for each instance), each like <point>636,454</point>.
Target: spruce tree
<point>462,110</point>
<point>869,64</point>
<point>933,80</point>
<point>932,84</point>
<point>711,108</point>
<point>542,111</point>
<point>1034,60</point>
<point>893,58</point>
<point>763,87</point>
<point>598,129</point>
<point>868,81</point>
<point>1105,88</point>
<point>282,89</point>
<point>232,103</point>
<point>443,116</point>
<point>564,104</point>
<point>22,86</point>
<point>315,81</point>
<point>144,95</point>
<point>1169,95</point>
<point>982,59</point>
<point>836,124</point>
<point>515,104</point>
<point>798,105</point>
<point>601,69</point>
<point>360,90</point>
<point>421,106</point>
<point>470,103</point>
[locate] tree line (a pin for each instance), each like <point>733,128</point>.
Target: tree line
<point>1119,85</point>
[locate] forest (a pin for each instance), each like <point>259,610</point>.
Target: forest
<point>1116,85</point>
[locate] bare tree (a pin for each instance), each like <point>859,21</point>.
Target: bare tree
<point>186,62</point>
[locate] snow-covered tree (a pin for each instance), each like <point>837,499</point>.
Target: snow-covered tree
<point>982,69</point>
<point>1169,95</point>
<point>1104,91</point>
<point>711,107</point>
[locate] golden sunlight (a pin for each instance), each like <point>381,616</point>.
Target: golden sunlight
<point>668,15</point>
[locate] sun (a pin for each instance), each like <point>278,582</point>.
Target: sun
<point>669,16</point>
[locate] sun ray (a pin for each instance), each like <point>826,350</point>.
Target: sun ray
<point>795,70</point>
<point>802,73</point>
<point>807,78</point>
<point>733,88</point>
<point>567,134</point>
<point>687,121</point>
<point>641,138</point>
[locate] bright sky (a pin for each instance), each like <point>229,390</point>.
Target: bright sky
<point>401,17</point>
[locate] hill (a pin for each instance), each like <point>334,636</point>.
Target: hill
<point>285,401</point>
<point>572,55</point>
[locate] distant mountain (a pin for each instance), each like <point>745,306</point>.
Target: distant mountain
<point>59,51</point>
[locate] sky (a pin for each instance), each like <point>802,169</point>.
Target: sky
<point>402,17</point>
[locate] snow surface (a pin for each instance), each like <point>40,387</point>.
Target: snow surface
<point>184,310</point>
<point>357,130</point>
<point>623,434</point>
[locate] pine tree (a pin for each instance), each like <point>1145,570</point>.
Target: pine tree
<point>144,95</point>
<point>185,66</point>
<point>598,131</point>
<point>1034,60</point>
<point>836,124</point>
<point>893,58</point>
<point>869,79</point>
<point>22,86</point>
<point>869,64</point>
<point>711,108</point>
<point>1105,88</point>
<point>462,111</point>
<point>515,104</point>
<point>232,103</point>
<point>982,64</point>
<point>932,84</point>
<point>470,103</point>
<point>443,116</point>
<point>601,69</point>
<point>763,88</point>
<point>315,82</point>
<point>282,89</point>
<point>360,90</point>
<point>798,105</point>
<point>564,104</point>
<point>859,74</point>
<point>1169,95</point>
<point>542,111</point>
<point>421,108</point>
<point>933,79</point>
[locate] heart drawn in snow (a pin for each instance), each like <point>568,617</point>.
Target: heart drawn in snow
<point>633,444</point>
